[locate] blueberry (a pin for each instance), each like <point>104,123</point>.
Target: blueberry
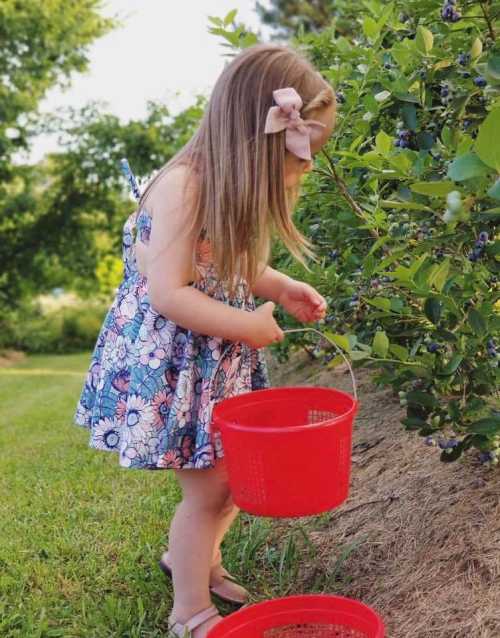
<point>464,59</point>
<point>479,244</point>
<point>439,253</point>
<point>354,296</point>
<point>473,256</point>
<point>452,443</point>
<point>484,457</point>
<point>333,254</point>
<point>466,74</point>
<point>491,344</point>
<point>330,318</point>
<point>433,347</point>
<point>340,97</point>
<point>429,440</point>
<point>480,81</point>
<point>397,142</point>
<point>443,444</point>
<point>483,236</point>
<point>467,123</point>
<point>388,65</point>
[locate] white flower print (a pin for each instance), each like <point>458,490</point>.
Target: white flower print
<point>152,355</point>
<point>138,411</point>
<point>105,434</point>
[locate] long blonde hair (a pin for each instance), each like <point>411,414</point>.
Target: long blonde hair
<point>241,200</point>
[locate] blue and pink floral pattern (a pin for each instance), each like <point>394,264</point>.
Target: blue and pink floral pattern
<point>152,385</point>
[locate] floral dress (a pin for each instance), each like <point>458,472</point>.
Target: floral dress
<point>152,385</point>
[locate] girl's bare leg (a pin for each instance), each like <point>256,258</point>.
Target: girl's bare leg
<point>193,533</point>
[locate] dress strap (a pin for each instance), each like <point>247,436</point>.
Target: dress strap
<point>127,171</point>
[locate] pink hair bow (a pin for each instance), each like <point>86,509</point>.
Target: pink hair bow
<point>286,116</point>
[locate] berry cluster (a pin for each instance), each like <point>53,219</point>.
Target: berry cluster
<point>492,348</point>
<point>478,251</point>
<point>480,81</point>
<point>488,457</point>
<point>424,232</point>
<point>405,139</point>
<point>354,301</point>
<point>447,445</point>
<point>464,59</point>
<point>340,97</point>
<point>449,12</point>
<point>445,94</point>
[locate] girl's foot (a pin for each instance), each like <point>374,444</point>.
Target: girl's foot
<point>196,626</point>
<point>222,584</point>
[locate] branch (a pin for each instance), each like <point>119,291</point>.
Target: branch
<point>358,211</point>
<point>488,21</point>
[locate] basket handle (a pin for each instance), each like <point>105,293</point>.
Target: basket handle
<point>339,350</point>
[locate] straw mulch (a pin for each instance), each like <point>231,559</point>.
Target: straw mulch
<point>426,534</point>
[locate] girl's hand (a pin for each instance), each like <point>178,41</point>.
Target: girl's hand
<point>303,302</point>
<point>264,329</point>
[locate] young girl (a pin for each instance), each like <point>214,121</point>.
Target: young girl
<point>183,331</point>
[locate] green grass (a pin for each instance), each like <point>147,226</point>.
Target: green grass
<point>81,536</point>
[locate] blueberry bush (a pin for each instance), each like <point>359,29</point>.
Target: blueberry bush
<point>403,207</point>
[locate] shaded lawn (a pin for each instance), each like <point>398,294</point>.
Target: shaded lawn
<point>81,536</point>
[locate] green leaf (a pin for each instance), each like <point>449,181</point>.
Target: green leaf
<point>493,68</point>
<point>217,21</point>
<point>452,366</point>
<point>439,276</point>
<point>432,309</point>
<point>371,28</point>
<point>488,140</point>
<point>341,340</point>
<point>424,40</point>
<point>399,351</point>
<point>409,113</point>
<point>417,397</point>
<point>413,423</point>
<point>476,48</point>
<point>383,143</point>
<point>380,302</point>
<point>358,355</point>
<point>466,166</point>
<point>477,323</point>
<point>494,191</point>
<point>230,17</point>
<point>433,189</point>
<point>489,426</point>
<point>380,344</point>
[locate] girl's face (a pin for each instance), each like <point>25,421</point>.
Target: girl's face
<point>295,167</point>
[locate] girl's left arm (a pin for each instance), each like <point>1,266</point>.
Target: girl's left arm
<point>271,285</point>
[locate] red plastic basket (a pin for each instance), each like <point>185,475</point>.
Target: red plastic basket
<point>287,450</point>
<point>309,616</point>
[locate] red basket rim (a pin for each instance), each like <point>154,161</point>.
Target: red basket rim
<point>254,395</point>
<point>276,606</point>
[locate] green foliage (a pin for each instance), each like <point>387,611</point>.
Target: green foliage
<point>403,206</point>
<point>41,44</point>
<point>69,329</point>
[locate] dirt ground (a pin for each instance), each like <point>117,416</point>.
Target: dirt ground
<point>428,558</point>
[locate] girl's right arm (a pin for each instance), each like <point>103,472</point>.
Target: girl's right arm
<point>169,275</point>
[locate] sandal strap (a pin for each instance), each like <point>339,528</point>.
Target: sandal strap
<point>200,618</point>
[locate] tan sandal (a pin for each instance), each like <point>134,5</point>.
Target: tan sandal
<point>227,589</point>
<point>180,630</point>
